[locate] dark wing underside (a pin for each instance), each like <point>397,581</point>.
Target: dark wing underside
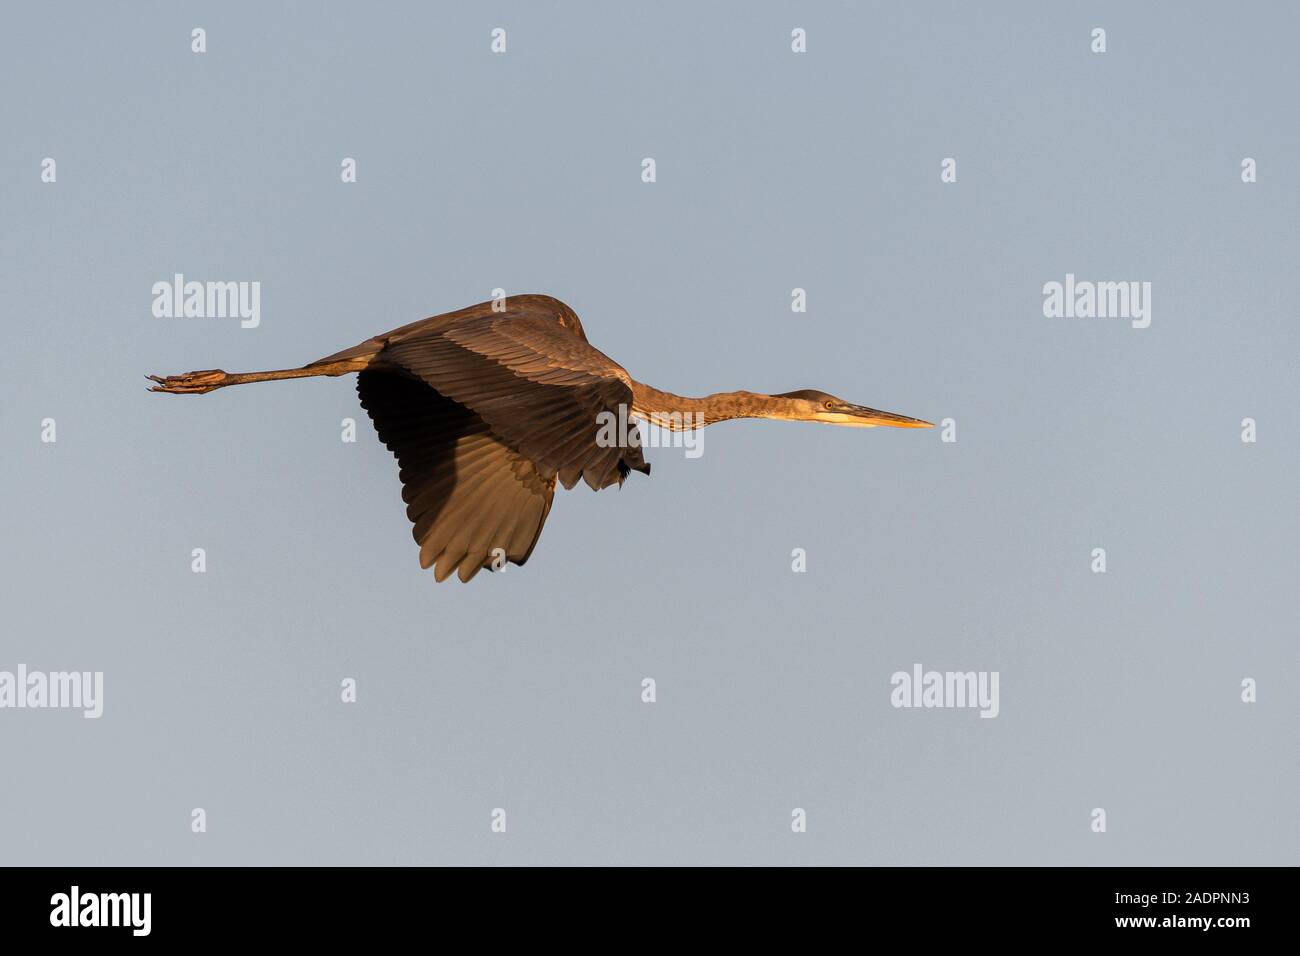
<point>485,412</point>
<point>474,502</point>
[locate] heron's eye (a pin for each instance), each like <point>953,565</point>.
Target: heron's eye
<point>830,404</point>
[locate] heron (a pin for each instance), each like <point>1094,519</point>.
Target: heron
<point>488,407</point>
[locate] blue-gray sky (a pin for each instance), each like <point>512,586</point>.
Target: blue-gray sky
<point>775,171</point>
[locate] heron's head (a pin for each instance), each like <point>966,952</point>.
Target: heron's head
<point>810,405</point>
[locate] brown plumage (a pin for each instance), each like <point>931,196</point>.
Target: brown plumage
<point>486,408</point>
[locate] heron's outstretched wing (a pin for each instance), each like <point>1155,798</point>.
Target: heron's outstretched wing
<point>473,500</point>
<point>541,389</point>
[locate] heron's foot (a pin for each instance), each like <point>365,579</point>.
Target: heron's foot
<point>190,383</point>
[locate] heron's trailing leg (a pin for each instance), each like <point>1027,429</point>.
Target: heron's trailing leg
<point>197,383</point>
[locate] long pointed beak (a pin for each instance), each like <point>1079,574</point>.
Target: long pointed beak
<point>874,416</point>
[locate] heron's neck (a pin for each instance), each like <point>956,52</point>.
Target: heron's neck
<point>680,412</point>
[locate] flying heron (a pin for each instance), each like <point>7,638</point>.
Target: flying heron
<point>487,407</point>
